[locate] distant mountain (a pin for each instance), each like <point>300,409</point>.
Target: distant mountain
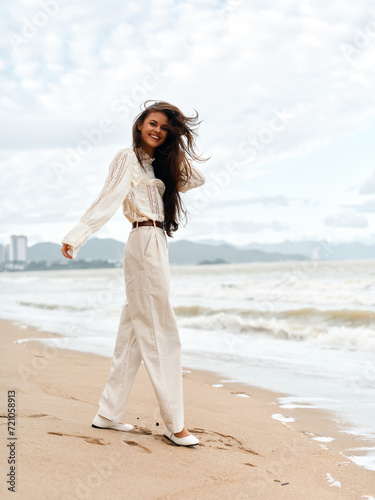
<point>326,250</point>
<point>189,252</point>
<point>95,248</point>
<point>180,252</point>
<point>44,251</point>
<point>209,241</point>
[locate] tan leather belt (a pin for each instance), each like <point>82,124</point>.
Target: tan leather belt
<point>149,222</point>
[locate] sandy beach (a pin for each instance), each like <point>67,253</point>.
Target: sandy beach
<point>245,450</point>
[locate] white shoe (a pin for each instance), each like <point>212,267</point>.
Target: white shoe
<point>184,441</point>
<point>100,422</point>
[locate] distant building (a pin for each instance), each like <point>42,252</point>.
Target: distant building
<point>18,248</point>
<point>6,253</point>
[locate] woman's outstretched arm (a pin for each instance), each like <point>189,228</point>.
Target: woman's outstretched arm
<point>113,193</point>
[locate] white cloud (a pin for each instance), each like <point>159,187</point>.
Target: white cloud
<point>368,187</point>
<point>366,206</point>
<point>238,64</point>
<point>349,219</point>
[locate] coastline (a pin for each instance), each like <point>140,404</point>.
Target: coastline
<point>245,451</point>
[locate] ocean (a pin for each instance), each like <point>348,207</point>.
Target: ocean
<point>302,328</point>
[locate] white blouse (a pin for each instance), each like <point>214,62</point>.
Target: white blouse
<point>127,184</point>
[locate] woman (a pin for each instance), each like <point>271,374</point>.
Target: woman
<point>146,180</point>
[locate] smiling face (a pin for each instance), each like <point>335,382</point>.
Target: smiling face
<point>154,131</point>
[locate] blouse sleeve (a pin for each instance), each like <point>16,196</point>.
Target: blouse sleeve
<point>113,193</point>
<point>197,179</point>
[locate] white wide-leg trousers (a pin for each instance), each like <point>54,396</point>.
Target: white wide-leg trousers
<point>147,330</point>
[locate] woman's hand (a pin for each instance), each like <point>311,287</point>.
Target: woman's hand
<point>65,249</point>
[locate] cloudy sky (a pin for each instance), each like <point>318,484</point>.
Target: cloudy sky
<point>285,90</point>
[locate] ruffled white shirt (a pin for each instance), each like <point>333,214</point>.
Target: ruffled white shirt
<point>127,184</point>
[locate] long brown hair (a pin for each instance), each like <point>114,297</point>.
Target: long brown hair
<point>171,157</point>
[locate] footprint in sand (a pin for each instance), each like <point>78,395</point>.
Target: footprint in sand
<point>220,441</point>
<point>88,439</point>
<point>141,430</point>
<point>93,440</point>
<point>138,446</point>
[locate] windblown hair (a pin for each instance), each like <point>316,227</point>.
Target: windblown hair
<point>172,158</point>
